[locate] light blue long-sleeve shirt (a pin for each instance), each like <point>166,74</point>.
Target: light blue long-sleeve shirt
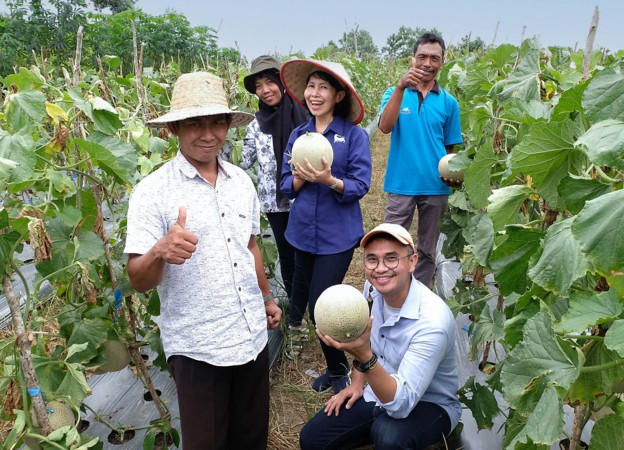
<point>417,348</point>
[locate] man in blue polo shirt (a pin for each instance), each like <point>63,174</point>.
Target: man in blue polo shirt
<point>424,121</point>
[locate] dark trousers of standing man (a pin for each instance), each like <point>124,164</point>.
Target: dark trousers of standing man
<point>400,210</point>
<point>223,408</point>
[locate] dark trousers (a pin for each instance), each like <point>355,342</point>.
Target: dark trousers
<point>223,408</point>
<point>321,272</point>
<point>364,424</point>
<point>295,286</point>
<point>400,210</point>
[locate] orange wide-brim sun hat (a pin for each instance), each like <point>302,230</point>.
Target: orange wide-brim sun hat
<point>295,73</point>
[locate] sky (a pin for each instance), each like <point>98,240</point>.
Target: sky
<point>287,26</point>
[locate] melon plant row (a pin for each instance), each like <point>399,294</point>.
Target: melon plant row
<point>541,213</point>
<point>541,209</point>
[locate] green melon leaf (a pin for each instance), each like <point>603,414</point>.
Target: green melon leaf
<point>593,382</point>
<point>18,151</point>
<point>25,109</point>
<point>547,154</point>
<point>482,403</point>
<point>545,423</point>
<point>589,309</point>
<point>603,98</point>
<point>600,230</point>
<point>112,155</point>
<point>510,260</point>
<point>614,339</point>
<point>477,176</point>
<point>481,237</point>
<point>524,81</point>
<point>561,261</point>
<point>74,384</point>
<point>505,204</point>
<point>575,191</point>
<point>539,354</point>
<point>605,143</point>
<point>608,433</point>
<point>569,102</point>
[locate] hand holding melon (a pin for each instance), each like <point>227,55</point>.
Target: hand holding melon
<point>341,312</point>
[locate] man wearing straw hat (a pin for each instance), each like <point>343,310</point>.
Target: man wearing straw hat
<point>191,234</point>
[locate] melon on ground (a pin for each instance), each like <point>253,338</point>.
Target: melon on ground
<point>444,169</point>
<point>341,312</point>
<point>117,357</point>
<point>313,147</point>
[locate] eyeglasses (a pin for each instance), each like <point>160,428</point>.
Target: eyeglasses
<point>391,262</point>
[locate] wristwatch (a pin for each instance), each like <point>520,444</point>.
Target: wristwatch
<point>335,185</point>
<point>365,367</point>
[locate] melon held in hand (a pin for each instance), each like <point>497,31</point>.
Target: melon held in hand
<point>313,147</point>
<point>341,312</point>
<point>444,170</point>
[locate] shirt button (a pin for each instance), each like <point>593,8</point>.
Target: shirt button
<point>222,214</point>
<point>381,356</point>
<point>383,336</point>
<point>240,289</point>
<point>229,239</point>
<point>235,264</point>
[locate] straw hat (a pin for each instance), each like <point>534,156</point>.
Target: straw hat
<point>394,230</point>
<point>295,73</point>
<point>199,94</point>
<point>263,63</point>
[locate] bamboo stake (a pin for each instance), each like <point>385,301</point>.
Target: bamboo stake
<point>25,348</point>
<point>78,57</point>
<point>593,27</point>
<point>138,73</point>
<point>577,427</point>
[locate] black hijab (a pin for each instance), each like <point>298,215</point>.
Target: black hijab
<point>279,121</point>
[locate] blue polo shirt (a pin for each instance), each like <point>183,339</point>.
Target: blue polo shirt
<point>423,129</point>
<point>322,221</point>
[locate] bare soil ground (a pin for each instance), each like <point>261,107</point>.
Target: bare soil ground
<point>293,402</point>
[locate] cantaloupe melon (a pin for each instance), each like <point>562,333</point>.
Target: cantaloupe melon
<point>341,312</point>
<point>313,147</point>
<point>59,414</point>
<point>117,357</point>
<point>444,169</point>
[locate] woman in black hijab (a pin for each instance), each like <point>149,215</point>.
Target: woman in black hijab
<point>265,142</point>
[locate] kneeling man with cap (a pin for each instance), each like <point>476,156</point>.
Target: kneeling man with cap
<point>404,388</point>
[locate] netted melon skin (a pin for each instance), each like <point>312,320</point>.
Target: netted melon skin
<point>313,147</point>
<point>342,313</point>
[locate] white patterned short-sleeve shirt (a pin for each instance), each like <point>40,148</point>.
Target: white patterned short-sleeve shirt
<point>258,146</point>
<point>211,306</point>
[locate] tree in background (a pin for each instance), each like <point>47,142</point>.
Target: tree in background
<point>167,38</point>
<point>115,6</point>
<point>401,43</point>
<point>359,43</point>
<point>48,31</point>
<point>468,45</point>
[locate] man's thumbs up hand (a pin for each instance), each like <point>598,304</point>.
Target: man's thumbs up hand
<point>178,245</point>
